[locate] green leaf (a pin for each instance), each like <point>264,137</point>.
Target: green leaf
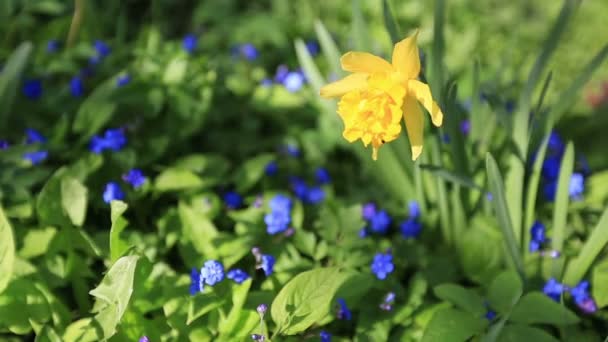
<point>200,305</point>
<point>96,110</point>
<point>599,275</point>
<point>12,72</point>
<point>451,176</point>
<point>117,245</point>
<point>313,75</point>
<point>47,334</point>
<point>502,211</point>
<point>174,179</point>
<point>329,48</point>
<point>591,249</point>
<point>114,293</point>
<point>451,325</point>
<point>560,211</point>
<point>83,330</point>
<point>536,307</point>
<point>389,22</point>
<point>199,230</point>
<point>251,172</point>
<point>239,295</point>
<point>505,291</point>
<point>533,189</point>
<point>49,204</point>
<point>7,251</point>
<point>305,299</point>
<point>436,78</point>
<point>518,333</point>
<point>359,31</point>
<point>461,297</point>
<point>176,70</point>
<point>74,199</point>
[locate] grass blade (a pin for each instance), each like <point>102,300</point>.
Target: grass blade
<point>360,37</point>
<point>389,22</point>
<point>436,79</point>
<point>560,211</point>
<point>442,196</point>
<point>308,65</point>
<point>329,48</point>
<point>9,80</point>
<point>451,176</point>
<point>591,249</point>
<point>502,212</point>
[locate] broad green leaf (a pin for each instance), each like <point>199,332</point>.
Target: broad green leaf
<point>7,251</point>
<point>519,332</point>
<point>117,245</point>
<point>451,325</point>
<point>510,235</point>
<point>328,47</point>
<point>481,252</point>
<point>505,291</point>
<point>174,179</point>
<point>12,71</point>
<point>199,230</point>
<point>114,293</point>
<point>200,305</point>
<point>74,199</point>
<point>251,172</point>
<point>239,295</point>
<point>96,110</point>
<point>591,249</point>
<point>83,330</point>
<point>560,211</point>
<point>49,204</point>
<point>536,307</point>
<point>176,70</point>
<point>599,275</point>
<point>461,297</point>
<point>47,334</point>
<point>305,299</point>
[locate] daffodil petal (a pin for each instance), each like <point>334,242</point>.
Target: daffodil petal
<point>351,82</point>
<point>423,95</point>
<point>406,58</point>
<point>364,62</point>
<point>414,123</point>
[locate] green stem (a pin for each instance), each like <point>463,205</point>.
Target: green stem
<point>76,22</point>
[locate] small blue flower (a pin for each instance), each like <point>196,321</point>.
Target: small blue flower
<point>325,336</point>
<point>550,168</point>
<point>277,221</point>
<point>101,48</point>
<point>299,187</point>
<point>4,144</point>
<point>555,145</point>
<point>382,265</point>
<point>267,82</point>
<point>144,339</point>
<point>294,81</point>
<point>576,186</point>
<point>322,176</point>
<point>267,264</point>
<point>272,168</point>
<point>554,289</point>
<point>76,86</point>
<point>249,51</point>
<point>281,73</point>
<point>112,191</point>
<point>189,43</point>
<point>262,309</point>
<point>313,47</point>
<point>123,80</point>
<point>197,283</point>
<point>212,272</point>
<point>413,209</point>
<point>280,203</point>
<point>380,222</point>
<point>135,177</point>
<point>315,195</point>
<point>465,126</point>
<point>34,137</point>
<point>549,190</point>
<point>52,46</point>
<point>410,228</point>
<point>36,157</point>
<point>582,298</point>
<point>32,89</point>
<point>363,233</point>
<point>258,337</point>
<point>343,311</point>
<point>537,236</point>
<point>387,303</point>
<point>490,315</point>
<point>233,200</point>
<point>292,150</point>
<point>113,139</point>
<point>237,275</point>
<point>368,211</point>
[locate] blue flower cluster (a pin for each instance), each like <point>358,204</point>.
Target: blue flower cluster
<point>233,200</point>
<point>550,171</point>
<point>378,221</point>
<point>135,177</point>
<point>382,265</point>
<point>412,227</point>
<point>237,275</point>
<point>579,293</point>
<point>343,311</point>
<point>102,50</point>
<point>210,274</point>
<point>279,218</point>
<point>32,89</point>
<point>189,43</point>
<point>247,51</point>
<point>112,139</point>
<point>307,194</point>
<point>537,236</point>
<point>325,336</point>
<point>112,190</point>
<point>292,80</point>
<point>32,136</point>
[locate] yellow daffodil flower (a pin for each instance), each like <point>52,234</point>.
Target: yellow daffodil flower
<point>378,94</point>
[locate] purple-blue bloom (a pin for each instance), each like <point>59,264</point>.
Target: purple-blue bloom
<point>555,145</point>
<point>343,311</point>
<point>537,236</point>
<point>380,222</point>
<point>413,209</point>
<point>550,168</point>
<point>267,264</point>
<point>135,177</point>
<point>33,136</point>
<point>387,303</point>
<point>144,339</point>
<point>123,80</point>
<point>322,176</point>
<point>32,89</point>
<point>249,51</point>
<point>315,195</point>
<point>237,275</point>
<point>197,283</point>
<point>212,272</point>
<point>294,81</point>
<point>465,126</point>
<point>101,48</point>
<point>410,228</point>
<point>113,139</point>
<point>382,265</point>
<point>277,221</point>
<point>313,47</point>
<point>233,200</point>
<point>36,157</point>
<point>4,145</point>
<point>576,186</point>
<point>325,336</point>
<point>280,202</point>
<point>76,86</point>
<point>582,298</point>
<point>554,289</point>
<point>189,43</point>
<point>490,315</point>
<point>272,168</point>
<point>281,73</point>
<point>52,46</point>
<point>112,191</point>
<point>267,82</point>
<point>292,150</point>
<point>368,211</point>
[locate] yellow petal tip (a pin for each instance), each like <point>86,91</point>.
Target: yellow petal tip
<point>416,151</point>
